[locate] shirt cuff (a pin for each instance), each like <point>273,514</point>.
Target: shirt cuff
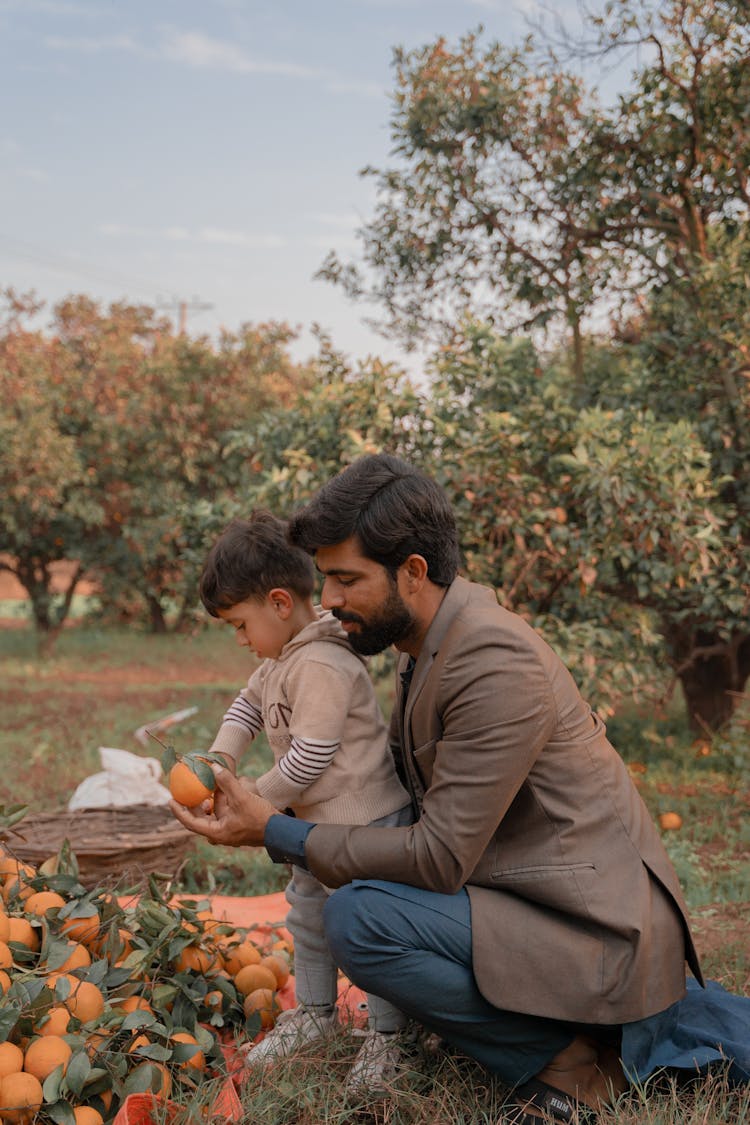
<point>284,839</point>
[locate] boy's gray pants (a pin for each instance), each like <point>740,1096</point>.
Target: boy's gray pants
<point>315,971</point>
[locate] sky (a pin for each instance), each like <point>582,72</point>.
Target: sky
<point>207,152</point>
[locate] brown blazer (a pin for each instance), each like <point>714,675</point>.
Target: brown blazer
<point>577,913</point>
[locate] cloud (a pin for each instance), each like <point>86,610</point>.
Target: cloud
<point>346,219</point>
<point>196,49</point>
<point>366,89</point>
<point>331,242</point>
<point>208,236</point>
<point>91,44</point>
<point>48,7</point>
<point>218,235</point>
<point>37,175</point>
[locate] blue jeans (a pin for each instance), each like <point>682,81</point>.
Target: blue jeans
<point>413,947</point>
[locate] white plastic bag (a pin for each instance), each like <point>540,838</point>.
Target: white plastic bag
<point>127,779</point>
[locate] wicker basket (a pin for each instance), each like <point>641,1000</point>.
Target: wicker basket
<point>117,846</point>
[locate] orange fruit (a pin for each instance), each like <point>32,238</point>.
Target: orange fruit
<point>96,1042</point>
<point>85,1001</point>
<point>131,1004</point>
<point>214,1000</point>
<point>237,956</point>
<point>262,1001</point>
<point>44,1054</point>
<point>6,957</point>
<point>160,1075</point>
<point>195,958</point>
<point>670,820</point>
<point>137,1042</point>
<point>42,901</point>
<point>84,927</point>
<point>186,788</point>
<point>55,1022</point>
<point>11,1059</point>
<point>24,933</point>
<point>4,982</point>
<point>4,926</point>
<point>78,958</point>
<point>87,1115</point>
<point>197,1059</point>
<point>278,966</point>
<point>251,977</point>
<point>126,943</point>
<point>14,884</point>
<point>20,1097</point>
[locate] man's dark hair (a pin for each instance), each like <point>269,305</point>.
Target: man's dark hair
<point>393,509</point>
<point>250,558</point>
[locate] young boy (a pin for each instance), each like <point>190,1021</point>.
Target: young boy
<point>314,698</point>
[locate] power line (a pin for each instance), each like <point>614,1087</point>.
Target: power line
<point>182,307</point>
<point>62,264</point>
<point>66,265</point>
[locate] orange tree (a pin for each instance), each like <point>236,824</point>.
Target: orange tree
<point>515,193</point>
<point>120,434</point>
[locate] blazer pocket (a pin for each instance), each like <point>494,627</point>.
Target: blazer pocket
<point>561,886</point>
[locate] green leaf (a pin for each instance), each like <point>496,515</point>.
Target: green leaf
<point>141,1079</point>
<point>168,758</point>
<point>202,770</point>
<point>52,1084</point>
<point>8,1019</point>
<point>138,1018</point>
<point>61,1112</point>
<point>155,1051</point>
<point>79,1069</point>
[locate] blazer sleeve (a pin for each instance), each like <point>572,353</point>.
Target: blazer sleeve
<point>496,712</point>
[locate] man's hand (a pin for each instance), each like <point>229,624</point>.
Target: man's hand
<point>239,818</point>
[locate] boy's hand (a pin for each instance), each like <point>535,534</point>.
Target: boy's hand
<point>239,817</point>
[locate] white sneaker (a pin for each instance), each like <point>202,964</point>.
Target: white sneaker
<point>293,1028</point>
<point>376,1065</point>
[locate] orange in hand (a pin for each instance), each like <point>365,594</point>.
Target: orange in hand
<point>186,787</point>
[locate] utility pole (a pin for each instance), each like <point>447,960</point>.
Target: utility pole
<point>182,308</point>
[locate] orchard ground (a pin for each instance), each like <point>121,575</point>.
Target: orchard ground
<point>101,683</point>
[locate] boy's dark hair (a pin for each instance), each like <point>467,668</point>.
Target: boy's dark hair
<point>393,509</point>
<point>250,558</point>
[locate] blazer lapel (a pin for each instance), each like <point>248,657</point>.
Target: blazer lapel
<point>455,599</point>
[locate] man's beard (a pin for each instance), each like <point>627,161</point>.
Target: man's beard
<point>394,623</point>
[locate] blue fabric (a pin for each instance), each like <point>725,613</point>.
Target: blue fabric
<point>413,948</point>
<point>284,839</point>
<point>708,1026</point>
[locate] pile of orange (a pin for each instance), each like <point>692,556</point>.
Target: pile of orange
<point>113,999</point>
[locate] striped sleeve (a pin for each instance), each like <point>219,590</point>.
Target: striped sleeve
<point>306,759</point>
<point>245,714</point>
<point>242,722</point>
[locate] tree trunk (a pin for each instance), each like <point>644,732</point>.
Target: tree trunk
<point>713,676</point>
<point>156,614</point>
<point>35,576</point>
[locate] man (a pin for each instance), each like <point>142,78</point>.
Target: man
<point>531,910</point>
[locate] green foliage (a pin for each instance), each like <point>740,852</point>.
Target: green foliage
<point>515,194</point>
<point>513,191</point>
<point>115,432</point>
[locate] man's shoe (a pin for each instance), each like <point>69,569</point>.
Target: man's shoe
<point>293,1029</point>
<point>376,1065</point>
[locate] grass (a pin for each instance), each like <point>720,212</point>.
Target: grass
<point>440,1087</point>
<point>101,684</point>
